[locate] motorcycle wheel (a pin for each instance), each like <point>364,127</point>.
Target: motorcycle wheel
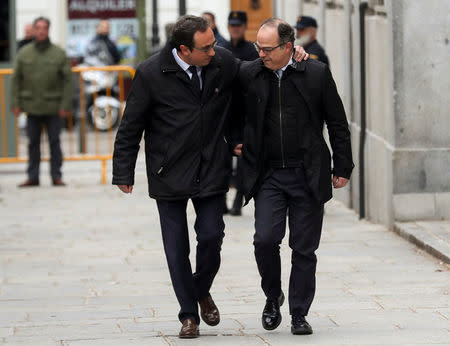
<point>100,118</point>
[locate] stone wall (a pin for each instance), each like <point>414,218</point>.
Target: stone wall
<point>407,149</point>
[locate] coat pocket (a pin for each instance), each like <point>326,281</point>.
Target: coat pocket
<point>52,95</point>
<point>25,94</point>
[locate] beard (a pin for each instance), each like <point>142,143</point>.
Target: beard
<point>303,40</point>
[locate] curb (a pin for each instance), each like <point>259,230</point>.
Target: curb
<point>423,240</point>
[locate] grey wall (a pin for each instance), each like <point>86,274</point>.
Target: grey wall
<point>422,93</point>
<point>407,150</point>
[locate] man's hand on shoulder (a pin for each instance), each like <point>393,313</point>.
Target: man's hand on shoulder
<point>300,54</point>
<point>126,188</point>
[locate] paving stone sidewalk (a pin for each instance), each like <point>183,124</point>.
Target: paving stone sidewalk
<point>84,265</point>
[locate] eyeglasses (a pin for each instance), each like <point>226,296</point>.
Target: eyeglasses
<point>206,49</point>
<point>267,50</point>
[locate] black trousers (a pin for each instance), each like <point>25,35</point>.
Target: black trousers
<point>209,226</point>
<point>284,192</point>
<point>52,124</point>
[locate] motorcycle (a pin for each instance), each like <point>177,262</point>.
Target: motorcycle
<point>102,110</point>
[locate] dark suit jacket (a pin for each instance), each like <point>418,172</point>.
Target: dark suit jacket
<point>314,83</point>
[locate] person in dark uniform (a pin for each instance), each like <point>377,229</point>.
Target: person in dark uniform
<point>238,45</point>
<point>29,36</point>
<point>287,164</point>
<point>243,50</point>
<point>306,37</point>
<point>211,18</point>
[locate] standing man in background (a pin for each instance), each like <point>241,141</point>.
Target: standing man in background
<point>306,37</point>
<point>211,18</point>
<point>238,45</point>
<point>101,50</point>
<point>245,51</point>
<point>42,87</point>
<point>29,36</point>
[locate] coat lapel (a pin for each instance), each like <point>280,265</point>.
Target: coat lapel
<point>298,82</point>
<point>169,65</point>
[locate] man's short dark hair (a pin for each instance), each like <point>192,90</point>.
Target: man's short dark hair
<point>185,28</point>
<point>38,19</point>
<point>285,31</point>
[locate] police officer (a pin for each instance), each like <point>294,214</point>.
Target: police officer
<point>306,37</point>
<point>238,45</point>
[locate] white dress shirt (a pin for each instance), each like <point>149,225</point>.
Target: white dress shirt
<point>185,67</point>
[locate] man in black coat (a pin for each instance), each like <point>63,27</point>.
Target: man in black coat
<point>287,164</point>
<point>180,99</point>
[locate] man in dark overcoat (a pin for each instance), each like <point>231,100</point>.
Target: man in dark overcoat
<point>287,164</point>
<point>180,99</point>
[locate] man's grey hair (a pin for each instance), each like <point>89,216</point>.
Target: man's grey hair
<point>38,19</point>
<point>285,31</point>
<point>185,28</point>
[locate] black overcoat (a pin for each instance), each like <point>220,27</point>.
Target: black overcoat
<point>186,153</point>
<point>322,105</point>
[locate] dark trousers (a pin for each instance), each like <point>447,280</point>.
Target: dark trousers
<point>209,226</point>
<point>285,192</point>
<point>34,128</point>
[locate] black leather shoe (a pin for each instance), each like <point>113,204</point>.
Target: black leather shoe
<point>271,316</point>
<point>299,326</point>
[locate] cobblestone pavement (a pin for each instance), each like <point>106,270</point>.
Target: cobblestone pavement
<point>84,265</point>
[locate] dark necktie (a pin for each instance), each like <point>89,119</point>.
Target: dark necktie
<point>195,80</point>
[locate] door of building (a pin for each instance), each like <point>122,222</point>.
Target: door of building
<point>257,12</point>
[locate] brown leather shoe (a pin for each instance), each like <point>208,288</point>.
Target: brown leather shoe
<point>208,311</point>
<point>29,183</point>
<point>189,329</point>
<point>58,182</point>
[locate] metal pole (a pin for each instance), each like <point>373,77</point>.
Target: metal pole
<point>348,69</point>
<point>322,19</point>
<point>362,139</point>
<point>182,7</point>
<point>155,28</point>
<point>142,39</point>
